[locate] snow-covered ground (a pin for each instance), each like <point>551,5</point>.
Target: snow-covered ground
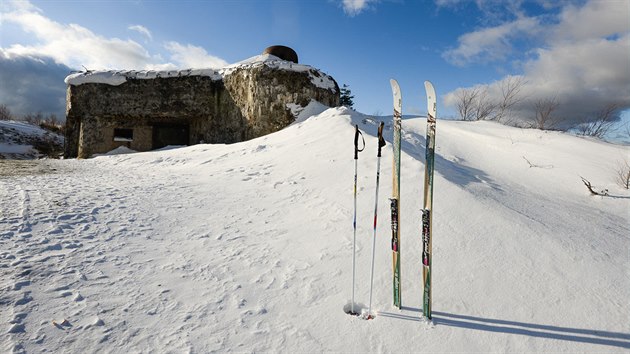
<point>248,247</point>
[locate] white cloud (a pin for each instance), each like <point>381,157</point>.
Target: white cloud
<point>355,7</point>
<point>190,56</point>
<point>142,30</point>
<point>490,44</point>
<point>73,45</point>
<point>582,60</point>
<point>77,46</point>
<point>595,19</point>
<point>31,76</point>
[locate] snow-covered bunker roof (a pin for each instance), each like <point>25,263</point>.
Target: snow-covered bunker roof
<point>118,77</point>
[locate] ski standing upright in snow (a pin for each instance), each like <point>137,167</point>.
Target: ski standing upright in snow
<point>357,133</point>
<point>427,211</point>
<point>381,143</point>
<point>395,200</point>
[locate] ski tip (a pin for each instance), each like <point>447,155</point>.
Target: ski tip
<point>396,93</point>
<point>431,99</point>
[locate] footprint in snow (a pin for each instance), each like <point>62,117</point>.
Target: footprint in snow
<point>24,300</point>
<point>17,328</point>
<point>20,284</point>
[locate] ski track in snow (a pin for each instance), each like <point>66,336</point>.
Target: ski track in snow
<point>247,247</point>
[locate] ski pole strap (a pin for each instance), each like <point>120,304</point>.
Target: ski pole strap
<point>357,132</point>
<point>381,141</point>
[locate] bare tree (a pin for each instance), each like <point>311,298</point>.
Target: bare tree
<point>5,112</point>
<point>602,124</point>
<point>466,99</point>
<point>36,118</point>
<point>511,88</point>
<point>483,105</point>
<point>52,124</point>
<point>544,109</point>
<point>623,174</point>
<point>52,119</point>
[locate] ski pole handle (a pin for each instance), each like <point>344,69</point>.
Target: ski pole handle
<point>357,132</point>
<point>381,141</point>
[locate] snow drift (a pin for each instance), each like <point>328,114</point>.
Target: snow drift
<point>247,247</point>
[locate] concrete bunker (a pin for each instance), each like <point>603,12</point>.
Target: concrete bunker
<point>146,110</point>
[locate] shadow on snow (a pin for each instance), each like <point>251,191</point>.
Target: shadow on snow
<point>613,339</point>
<point>414,145</point>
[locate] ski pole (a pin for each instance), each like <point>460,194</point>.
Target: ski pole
<point>354,221</point>
<point>381,143</point>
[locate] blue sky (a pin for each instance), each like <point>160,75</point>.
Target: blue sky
<point>577,50</point>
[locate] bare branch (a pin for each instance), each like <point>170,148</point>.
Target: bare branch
<point>538,166</point>
<point>623,174</point>
<point>484,107</point>
<point>511,88</point>
<point>465,102</point>
<point>5,112</point>
<point>588,185</point>
<point>602,124</point>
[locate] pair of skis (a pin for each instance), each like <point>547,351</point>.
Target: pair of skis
<point>427,211</point>
<point>395,200</point>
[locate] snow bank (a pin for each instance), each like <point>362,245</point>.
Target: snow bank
<point>121,150</point>
<point>302,113</point>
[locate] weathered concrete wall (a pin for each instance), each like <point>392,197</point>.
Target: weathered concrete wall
<point>247,103</point>
<point>262,93</point>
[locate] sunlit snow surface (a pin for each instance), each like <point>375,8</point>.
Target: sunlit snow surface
<point>248,247</point>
